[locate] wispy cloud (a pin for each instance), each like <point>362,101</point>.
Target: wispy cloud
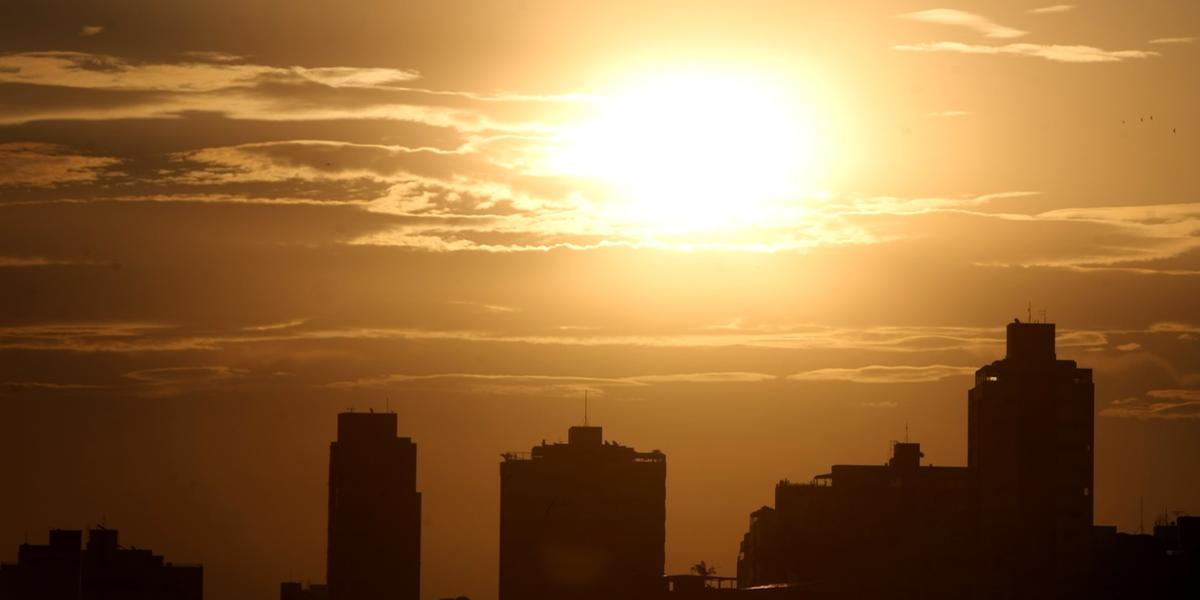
<point>561,380</point>
<point>717,377</point>
<point>144,337</point>
<point>1052,52</point>
<point>212,56</point>
<point>1174,40</point>
<point>32,164</point>
<point>90,30</point>
<point>17,386</point>
<point>171,375</point>
<point>276,326</point>
<point>885,374</point>
<point>1052,9</point>
<point>484,307</point>
<point>979,23</point>
<point>322,160</point>
<point>1157,404</point>
<point>100,71</point>
<point>227,84</point>
<point>41,261</point>
<point>172,381</point>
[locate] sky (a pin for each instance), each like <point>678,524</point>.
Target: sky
<point>764,237</point>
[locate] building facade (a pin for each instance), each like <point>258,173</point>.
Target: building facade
<point>374,550</point>
<point>1029,449</point>
<point>584,520</point>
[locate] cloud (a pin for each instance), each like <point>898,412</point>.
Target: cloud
<point>226,84</point>
<point>90,30</point>
<point>885,374</point>
<point>164,382</point>
<point>881,404</point>
<point>212,56</point>
<point>324,160</point>
<point>1051,52</point>
<point>119,337</point>
<point>1129,347</point>
<point>1174,40</point>
<point>560,380</point>
<point>494,309</point>
<point>101,71</point>
<point>178,375</point>
<point>1056,8</point>
<point>1122,238</point>
<point>276,326</point>
<point>1157,404</point>
<point>31,164</point>
<point>707,378</point>
<point>41,261</point>
<point>949,113</point>
<point>17,386</point>
<point>981,24</point>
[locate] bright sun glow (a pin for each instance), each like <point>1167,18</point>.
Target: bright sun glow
<point>696,151</point>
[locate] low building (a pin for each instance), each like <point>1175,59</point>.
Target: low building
<point>894,530</point>
<point>294,590</point>
<point>62,570</point>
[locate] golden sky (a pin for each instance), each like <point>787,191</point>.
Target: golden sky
<point>763,236</point>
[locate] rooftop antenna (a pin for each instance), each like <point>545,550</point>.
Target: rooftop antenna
<point>585,408</point>
<point>1141,515</point>
<point>1029,311</point>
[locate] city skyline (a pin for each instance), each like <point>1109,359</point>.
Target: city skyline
<point>789,230</point>
<point>586,518</point>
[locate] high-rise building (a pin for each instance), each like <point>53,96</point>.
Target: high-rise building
<point>584,520</point>
<point>374,511</point>
<point>1029,450</point>
<point>61,570</point>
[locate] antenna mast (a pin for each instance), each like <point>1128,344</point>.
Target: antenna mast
<point>585,408</point>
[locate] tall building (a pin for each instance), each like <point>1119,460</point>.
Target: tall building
<point>584,520</point>
<point>61,570</point>
<point>1029,450</point>
<point>906,524</point>
<point>374,511</point>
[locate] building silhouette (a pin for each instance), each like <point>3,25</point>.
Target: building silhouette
<point>1029,450</point>
<point>374,540</point>
<point>103,570</point>
<point>905,524</point>
<point>1015,523</point>
<point>294,590</point>
<point>584,520</point>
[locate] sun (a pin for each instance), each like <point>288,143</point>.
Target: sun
<point>696,150</point>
